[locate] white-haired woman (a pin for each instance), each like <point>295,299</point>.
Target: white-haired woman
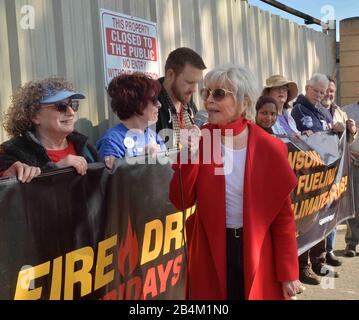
<point>241,240</point>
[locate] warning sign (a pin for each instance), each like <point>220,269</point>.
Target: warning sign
<point>129,45</point>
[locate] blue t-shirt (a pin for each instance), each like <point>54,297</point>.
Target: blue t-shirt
<point>121,142</point>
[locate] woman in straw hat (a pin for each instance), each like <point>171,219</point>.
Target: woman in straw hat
<point>283,91</point>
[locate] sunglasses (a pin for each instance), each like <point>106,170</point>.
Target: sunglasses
<point>217,94</point>
<point>62,106</point>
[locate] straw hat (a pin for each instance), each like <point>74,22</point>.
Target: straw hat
<point>278,81</point>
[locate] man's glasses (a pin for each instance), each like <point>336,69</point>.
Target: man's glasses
<point>62,106</point>
<point>217,94</point>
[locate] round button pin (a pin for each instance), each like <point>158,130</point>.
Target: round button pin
<point>129,143</point>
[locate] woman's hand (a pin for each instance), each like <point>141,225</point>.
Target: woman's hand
<point>351,126</point>
<point>190,137</point>
<point>339,127</point>
<point>291,288</point>
<point>296,135</point>
<point>79,163</point>
<point>307,133</point>
<point>109,161</point>
<point>22,171</point>
<point>354,156</point>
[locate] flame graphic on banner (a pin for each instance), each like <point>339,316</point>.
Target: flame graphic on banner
<point>128,250</point>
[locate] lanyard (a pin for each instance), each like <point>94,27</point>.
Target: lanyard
<point>180,119</point>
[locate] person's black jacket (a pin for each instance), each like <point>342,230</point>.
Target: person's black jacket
<point>28,149</point>
<point>307,116</point>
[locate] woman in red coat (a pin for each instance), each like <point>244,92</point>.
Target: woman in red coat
<point>241,240</point>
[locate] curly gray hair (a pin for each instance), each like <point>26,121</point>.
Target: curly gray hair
<point>25,103</point>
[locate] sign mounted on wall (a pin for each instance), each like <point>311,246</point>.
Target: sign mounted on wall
<point>129,45</point>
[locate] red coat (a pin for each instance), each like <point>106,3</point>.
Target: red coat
<point>269,241</point>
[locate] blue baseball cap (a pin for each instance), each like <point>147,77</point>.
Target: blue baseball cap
<point>53,96</point>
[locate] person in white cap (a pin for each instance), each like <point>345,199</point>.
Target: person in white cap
<point>41,121</point>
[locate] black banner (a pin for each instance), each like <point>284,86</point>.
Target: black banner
<point>323,197</point>
<point>101,236</point>
<point>115,235</point>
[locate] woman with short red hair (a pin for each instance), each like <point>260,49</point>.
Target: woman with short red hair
<point>134,99</point>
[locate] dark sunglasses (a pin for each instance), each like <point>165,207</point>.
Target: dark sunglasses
<point>62,106</point>
<point>217,94</point>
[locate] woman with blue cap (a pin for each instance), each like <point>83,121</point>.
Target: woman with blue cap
<point>41,122</point>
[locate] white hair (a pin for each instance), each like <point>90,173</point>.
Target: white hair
<point>238,79</point>
<point>318,78</point>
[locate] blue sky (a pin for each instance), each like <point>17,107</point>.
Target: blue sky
<point>340,9</point>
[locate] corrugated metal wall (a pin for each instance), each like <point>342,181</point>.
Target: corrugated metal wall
<point>66,41</point>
